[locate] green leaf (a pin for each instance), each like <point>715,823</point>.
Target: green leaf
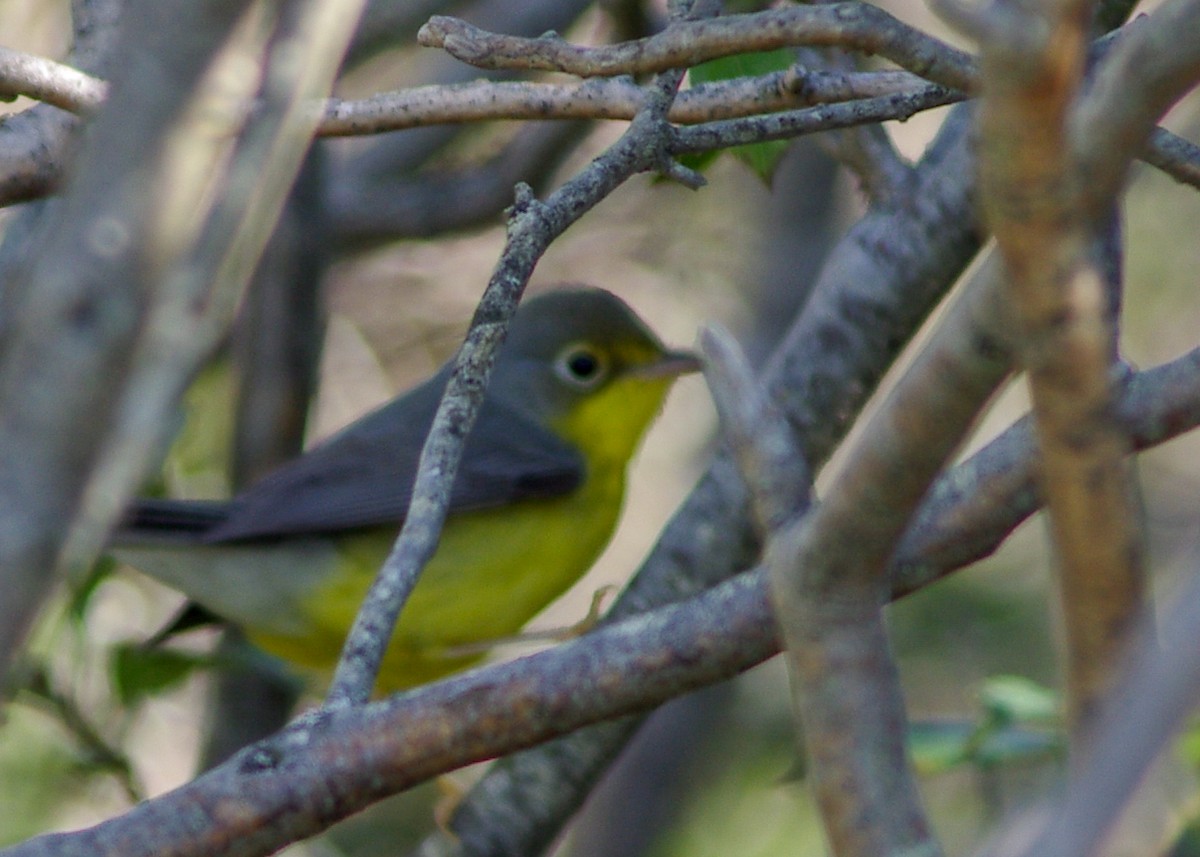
<point>943,745</point>
<point>139,671</point>
<point>742,65</point>
<point>938,746</point>
<point>1013,699</point>
<point>763,158</point>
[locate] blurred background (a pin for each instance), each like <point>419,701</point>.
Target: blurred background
<point>392,242</point>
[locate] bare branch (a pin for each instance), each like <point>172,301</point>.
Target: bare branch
<point>51,82</point>
<point>82,301</point>
<point>781,126</point>
<point>1153,64</point>
<point>615,99</point>
<point>828,578</point>
<point>611,98</point>
<point>762,443</point>
<point>1175,156</point>
<point>848,25</point>
<point>336,763</point>
<point>189,246</point>
<point>1033,193</point>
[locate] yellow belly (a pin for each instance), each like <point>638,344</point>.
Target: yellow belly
<point>493,571</point>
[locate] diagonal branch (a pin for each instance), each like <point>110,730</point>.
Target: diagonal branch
<point>828,580</point>
<point>1153,64</point>
<point>532,226</point>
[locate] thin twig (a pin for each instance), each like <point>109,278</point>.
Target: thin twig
<point>793,123</point>
<point>852,26</point>
<point>602,98</point>
<point>51,82</point>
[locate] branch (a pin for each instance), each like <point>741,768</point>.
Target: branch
<point>51,82</point>
<point>828,579</point>
<point>1035,194</point>
<point>852,26</point>
<point>602,98</point>
<point>782,126</point>
<point>1175,156</point>
<point>210,216</point>
<point>82,300</point>
<point>333,764</point>
<point>1151,66</point>
<point>482,100</point>
<point>440,104</point>
<point>33,143</point>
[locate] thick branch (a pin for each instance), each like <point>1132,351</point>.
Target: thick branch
<point>1033,192</point>
<point>1154,63</point>
<point>828,578</point>
<point>327,767</point>
<point>80,303</point>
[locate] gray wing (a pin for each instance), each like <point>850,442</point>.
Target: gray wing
<point>363,476</point>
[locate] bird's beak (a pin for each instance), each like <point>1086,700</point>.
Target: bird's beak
<point>670,365</point>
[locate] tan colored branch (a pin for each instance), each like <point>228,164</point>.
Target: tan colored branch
<point>1032,193</point>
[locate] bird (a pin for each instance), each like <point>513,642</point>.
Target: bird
<point>536,499</point>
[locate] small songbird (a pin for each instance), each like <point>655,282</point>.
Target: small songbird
<point>536,499</point>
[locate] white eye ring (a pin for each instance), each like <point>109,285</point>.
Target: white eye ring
<point>581,366</point>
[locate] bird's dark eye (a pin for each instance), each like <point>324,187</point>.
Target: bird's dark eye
<point>583,365</point>
<point>580,365</point>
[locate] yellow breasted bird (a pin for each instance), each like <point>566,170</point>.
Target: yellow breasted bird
<point>535,501</point>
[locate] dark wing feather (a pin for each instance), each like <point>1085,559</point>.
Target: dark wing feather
<point>171,521</point>
<point>363,476</point>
